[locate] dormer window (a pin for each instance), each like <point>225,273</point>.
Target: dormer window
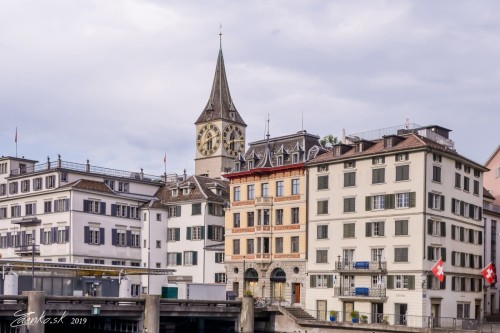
<point>349,164</point>
<point>359,147</point>
<point>323,168</point>
<point>279,160</point>
<point>337,151</point>
<point>186,191</point>
<point>232,115</point>
<point>401,157</point>
<point>175,192</point>
<point>295,158</point>
<point>250,165</point>
<point>388,142</point>
<point>237,166</point>
<point>378,160</point>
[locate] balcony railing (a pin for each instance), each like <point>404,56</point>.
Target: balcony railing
<point>27,249</point>
<point>360,266</point>
<point>264,201</point>
<point>360,291</point>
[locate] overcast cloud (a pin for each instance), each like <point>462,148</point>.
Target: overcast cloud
<point>121,82</point>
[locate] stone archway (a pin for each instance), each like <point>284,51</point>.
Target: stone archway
<point>278,283</point>
<point>251,280</point>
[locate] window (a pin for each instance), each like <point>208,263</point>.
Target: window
<point>37,184</point>
<point>236,193</point>
<point>321,256</point>
<point>322,207</point>
<point>196,233</point>
<point>123,187</point>
<point>250,164</point>
<point>349,230</point>
<point>279,216</point>
<point>219,257</point>
<point>3,189</point>
<point>378,202</point>
<point>436,201</point>
<point>463,310</point>
<point>401,282</point>
<point>294,242</point>
<point>3,212</point>
<point>378,176</point>
<point>401,228</point>
<point>375,229</point>
<point>322,231</point>
<point>458,178</point>
<point>321,281</point>
<point>62,235</point>
<point>216,233</point>
<point>220,278</point>
<point>402,172</point>
<point>266,216</point>
<point>110,183</point>
<point>437,158</point>
<point>94,235</point>
<point>323,168</point>
<point>119,210</point>
<point>250,192</point>
<point>377,254</point>
<point>236,246</point>
<point>250,219</point>
<point>436,173</point>
<point>295,215</point>
<point>295,158</point>
<point>136,239</point>
<point>25,186</point>
<point>29,239</point>
<point>279,244</point>
<point>323,182</point>
<point>47,236</point>
<point>215,209</point>
<point>295,186</point>
<point>13,188</point>
<point>250,246</point>
<point>174,211</point>
<point>280,188</point>
<point>265,189</point>
<point>458,165</point>
<point>349,205</point>
<point>402,200</point>
<point>173,234</point>
<point>476,187</point>
<point>195,209</point>
<point>466,184</point>
<point>50,181</point>
<point>15,211</point>
<point>92,206</point>
<point>378,160</point>
<point>402,157</point>
<point>61,205</point>
<point>401,254</point>
<point>190,258</point>
<point>349,164</point>
<point>3,241</point>
<point>30,209</point>
<point>349,179</point>
<point>174,259</point>
<point>279,160</point>
<point>436,252</point>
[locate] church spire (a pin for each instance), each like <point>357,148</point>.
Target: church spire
<point>220,104</point>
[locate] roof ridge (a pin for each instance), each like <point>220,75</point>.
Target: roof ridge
<point>202,190</point>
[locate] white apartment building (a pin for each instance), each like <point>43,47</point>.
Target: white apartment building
<point>382,212</point>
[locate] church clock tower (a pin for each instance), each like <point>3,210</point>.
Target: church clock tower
<point>220,130</point>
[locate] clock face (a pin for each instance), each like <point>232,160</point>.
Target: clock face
<point>208,139</point>
<point>234,140</point>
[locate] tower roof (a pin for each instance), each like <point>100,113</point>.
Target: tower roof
<point>220,105</point>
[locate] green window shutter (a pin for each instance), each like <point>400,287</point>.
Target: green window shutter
<point>411,282</point>
<point>329,281</point>
<point>443,253</point>
<point>429,227</point>
<point>390,281</point>
<point>178,211</point>
<point>313,281</point>
<point>368,203</point>
<point>368,229</point>
<point>413,199</point>
<point>209,232</point>
<point>188,233</point>
<point>202,232</point>
<point>382,229</point>
<point>453,258</point>
<point>443,229</point>
<point>179,259</point>
<point>195,257</point>
<point>389,201</point>
<point>177,234</point>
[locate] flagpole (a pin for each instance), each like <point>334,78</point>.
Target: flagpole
<point>15,139</point>
<point>165,165</point>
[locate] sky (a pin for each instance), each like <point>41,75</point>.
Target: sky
<point>121,82</point>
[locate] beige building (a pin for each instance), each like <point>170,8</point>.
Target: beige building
<point>266,242</point>
<point>382,212</point>
<point>492,178</point>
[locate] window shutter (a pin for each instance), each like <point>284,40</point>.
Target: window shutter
<point>453,283</point>
<point>429,281</point>
<point>462,208</point>
<point>128,212</point>
<point>471,210</point>
<point>442,202</point>
<point>480,214</point>
<point>178,210</point>
<point>429,227</point>
<point>429,200</point>
<point>462,234</point>
<point>452,231</point>
<point>480,240</point>
<point>85,206</point>
<point>54,234</point>
<point>188,233</point>
<point>381,230</point>
<point>390,281</point>
<point>86,234</point>
<point>195,257</point>
<point>389,201</point>
<point>329,281</point>
<point>101,236</point>
<point>177,234</point>
<point>9,239</point>
<point>129,238</point>
<point>480,282</point>
<point>368,203</point>
<point>113,209</point>
<point>67,234</point>
<point>411,282</point>
<point>471,260</point>
<point>368,229</point>
<point>480,261</point>
<point>313,281</point>
<point>462,259</point>
<point>399,171</point>
<point>22,240</point>
<point>453,254</point>
<point>413,197</point>
<point>42,240</point>
<point>209,232</point>
<point>179,259</point>
<point>443,254</point>
<point>442,285</point>
<point>471,236</point>
<point>453,205</point>
<point>429,253</point>
<point>203,232</point>
<point>443,229</point>
<point>114,236</point>
<point>102,208</point>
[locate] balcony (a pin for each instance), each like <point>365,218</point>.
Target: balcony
<point>377,292</point>
<point>27,250</point>
<point>361,266</point>
<point>264,201</point>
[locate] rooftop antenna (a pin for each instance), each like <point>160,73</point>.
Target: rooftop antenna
<point>302,120</point>
<point>407,123</point>
<point>268,119</point>
<point>220,36</point>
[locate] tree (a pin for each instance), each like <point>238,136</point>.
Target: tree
<point>328,140</point>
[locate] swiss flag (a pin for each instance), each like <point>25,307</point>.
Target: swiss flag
<point>438,271</point>
<point>489,273</point>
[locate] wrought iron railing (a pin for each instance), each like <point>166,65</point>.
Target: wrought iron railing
<point>360,291</point>
<point>361,265</point>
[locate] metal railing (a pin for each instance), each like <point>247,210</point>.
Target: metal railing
<point>27,249</point>
<point>360,265</point>
<point>360,291</point>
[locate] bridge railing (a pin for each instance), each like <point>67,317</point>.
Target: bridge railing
<point>13,299</point>
<point>95,300</point>
<point>195,302</point>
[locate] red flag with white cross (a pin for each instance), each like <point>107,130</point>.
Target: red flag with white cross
<point>489,273</point>
<point>438,271</point>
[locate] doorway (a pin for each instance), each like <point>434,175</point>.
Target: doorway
<point>493,310</point>
<point>435,314</point>
<point>295,293</point>
<point>278,280</point>
<point>400,313</point>
<point>321,309</point>
<point>348,308</point>
<point>236,288</point>
<point>377,312</point>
